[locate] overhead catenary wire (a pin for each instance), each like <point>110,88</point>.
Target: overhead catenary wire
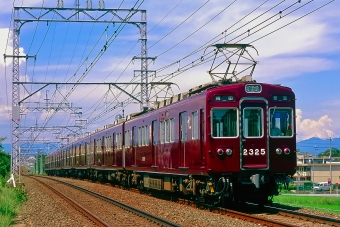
<point>190,65</point>
<point>253,41</point>
<point>228,41</point>
<point>66,96</point>
<point>186,20</point>
<point>132,49</point>
<point>200,63</point>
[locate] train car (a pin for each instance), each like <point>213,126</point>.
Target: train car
<point>218,143</point>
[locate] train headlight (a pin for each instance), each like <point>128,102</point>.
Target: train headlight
<point>278,151</point>
<point>220,151</point>
<point>229,151</point>
<point>286,151</point>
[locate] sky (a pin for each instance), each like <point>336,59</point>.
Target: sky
<point>297,44</point>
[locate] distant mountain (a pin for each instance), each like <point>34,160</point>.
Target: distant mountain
<point>316,145</point>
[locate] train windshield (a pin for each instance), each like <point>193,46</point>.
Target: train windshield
<point>252,122</point>
<point>281,122</point>
<point>224,122</point>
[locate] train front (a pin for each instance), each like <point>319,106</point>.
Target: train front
<point>251,140</point>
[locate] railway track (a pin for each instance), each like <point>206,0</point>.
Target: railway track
<point>94,218</point>
<point>271,216</point>
<point>152,219</point>
<point>303,216</point>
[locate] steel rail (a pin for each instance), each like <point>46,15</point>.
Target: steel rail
<point>158,220</point>
<point>305,216</point>
<point>95,219</point>
<point>239,215</point>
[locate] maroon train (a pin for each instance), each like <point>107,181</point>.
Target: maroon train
<point>218,143</point>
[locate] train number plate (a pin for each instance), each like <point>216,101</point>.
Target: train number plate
<point>256,152</point>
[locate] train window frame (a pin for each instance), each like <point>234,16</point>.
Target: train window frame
<point>172,130</point>
<point>275,129</point>
<point>135,136</point>
<point>143,135</point>
<point>147,135</point>
<point>167,131</point>
<point>261,123</point>
<point>120,140</point>
<point>139,136</point>
<point>236,123</point>
<point>162,132</point>
<point>127,138</point>
<point>155,134</point>
<point>195,126</point>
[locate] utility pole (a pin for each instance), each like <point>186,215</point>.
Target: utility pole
<point>330,162</point>
<point>23,15</point>
<point>313,167</point>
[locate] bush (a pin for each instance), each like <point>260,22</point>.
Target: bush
<point>10,200</point>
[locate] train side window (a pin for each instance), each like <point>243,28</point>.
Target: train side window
<point>155,132</point>
<point>167,131</point>
<point>143,135</point>
<point>172,125</point>
<point>183,126</point>
<point>252,122</point>
<point>127,139</point>
<point>147,135</point>
<point>194,125</point>
<point>224,122</point>
<point>117,141</point>
<point>120,140</point>
<point>281,122</point>
<point>135,136</point>
<point>162,132</point>
<point>139,136</point>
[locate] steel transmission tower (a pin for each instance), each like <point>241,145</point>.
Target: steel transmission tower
<point>45,14</point>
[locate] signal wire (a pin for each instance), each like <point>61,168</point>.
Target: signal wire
<point>182,23</point>
<point>233,32</point>
<point>171,75</point>
<point>197,29</point>
<point>293,21</point>
<point>67,95</point>
<point>211,41</point>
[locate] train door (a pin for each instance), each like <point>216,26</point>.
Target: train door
<point>154,142</point>
<point>183,128</point>
<point>253,133</point>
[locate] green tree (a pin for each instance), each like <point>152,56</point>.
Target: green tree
<point>335,153</point>
<point>5,160</point>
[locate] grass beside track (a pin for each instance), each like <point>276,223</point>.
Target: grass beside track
<point>10,201</point>
<point>320,203</point>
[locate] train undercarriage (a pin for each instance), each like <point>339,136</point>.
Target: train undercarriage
<point>218,190</point>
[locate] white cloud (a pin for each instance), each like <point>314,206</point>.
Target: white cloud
<point>277,67</point>
<point>307,128</point>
